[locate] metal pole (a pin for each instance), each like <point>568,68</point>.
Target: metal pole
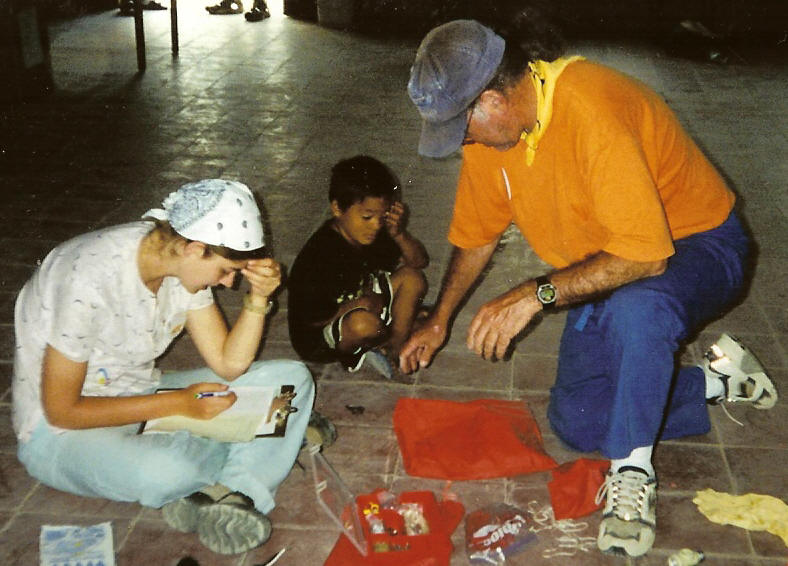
<point>139,35</point>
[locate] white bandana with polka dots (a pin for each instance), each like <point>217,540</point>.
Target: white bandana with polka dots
<point>216,212</point>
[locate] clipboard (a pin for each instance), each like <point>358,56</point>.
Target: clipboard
<point>260,411</point>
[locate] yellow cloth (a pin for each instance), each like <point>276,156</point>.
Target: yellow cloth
<point>750,511</point>
<point>544,76</point>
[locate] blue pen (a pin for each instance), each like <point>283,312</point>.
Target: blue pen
<point>212,394</point>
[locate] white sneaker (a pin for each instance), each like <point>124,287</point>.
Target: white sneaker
<point>378,361</point>
<point>741,373</point>
<point>629,520</point>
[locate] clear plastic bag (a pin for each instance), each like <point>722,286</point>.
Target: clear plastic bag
<point>493,534</point>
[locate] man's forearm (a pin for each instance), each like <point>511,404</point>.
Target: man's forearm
<point>600,274</point>
<point>464,268</point>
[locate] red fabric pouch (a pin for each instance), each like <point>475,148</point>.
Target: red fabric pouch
<point>574,486</point>
<point>485,438</point>
<point>431,549</point>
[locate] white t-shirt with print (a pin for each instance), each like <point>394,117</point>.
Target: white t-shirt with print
<point>88,301</point>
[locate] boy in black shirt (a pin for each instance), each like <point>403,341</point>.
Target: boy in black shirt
<point>355,287</point>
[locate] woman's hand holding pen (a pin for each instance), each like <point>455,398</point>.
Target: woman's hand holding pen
<point>206,400</point>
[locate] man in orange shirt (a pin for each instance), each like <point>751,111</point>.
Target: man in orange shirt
<point>602,181</point>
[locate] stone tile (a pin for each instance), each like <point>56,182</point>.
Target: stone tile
<point>758,470</point>
<point>7,437</point>
<point>685,467</point>
<point>466,370</point>
<point>6,378</point>
<point>378,446</point>
<point>534,373</point>
<point>762,428</point>
<point>303,546</point>
<point>19,543</point>
<point>377,400</point>
<point>15,483</point>
<point>153,542</point>
<point>681,525</point>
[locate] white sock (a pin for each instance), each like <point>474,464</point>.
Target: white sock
<point>638,458</point>
<point>715,388</point>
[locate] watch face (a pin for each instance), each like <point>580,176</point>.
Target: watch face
<point>546,293</point>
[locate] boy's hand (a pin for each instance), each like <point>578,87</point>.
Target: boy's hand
<point>264,276</point>
<point>396,217</point>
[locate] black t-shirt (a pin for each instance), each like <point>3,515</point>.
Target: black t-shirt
<point>327,272</point>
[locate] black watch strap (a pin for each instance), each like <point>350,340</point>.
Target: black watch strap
<point>546,292</point>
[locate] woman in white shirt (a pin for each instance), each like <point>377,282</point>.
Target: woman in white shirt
<point>89,325</point>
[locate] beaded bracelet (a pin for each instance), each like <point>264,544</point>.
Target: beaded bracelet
<point>259,309</point>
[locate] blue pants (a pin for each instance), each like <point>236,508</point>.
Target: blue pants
<point>617,386</point>
<point>153,469</point>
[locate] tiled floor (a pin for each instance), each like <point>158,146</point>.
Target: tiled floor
<point>275,104</point>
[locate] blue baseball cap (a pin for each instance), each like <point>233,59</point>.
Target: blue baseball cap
<point>453,64</point>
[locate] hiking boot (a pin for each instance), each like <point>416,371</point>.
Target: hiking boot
<point>182,514</point>
<point>226,7</point>
<point>232,525</point>
<point>741,373</point>
<point>320,431</point>
<point>629,519</point>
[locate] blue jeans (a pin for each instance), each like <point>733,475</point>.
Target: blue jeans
<point>153,469</point>
<point>617,386</point>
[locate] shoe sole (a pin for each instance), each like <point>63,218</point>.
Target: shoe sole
<point>320,431</point>
<point>227,529</point>
<point>610,544</point>
<point>181,515</point>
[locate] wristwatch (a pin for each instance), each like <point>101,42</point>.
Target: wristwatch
<point>546,293</point>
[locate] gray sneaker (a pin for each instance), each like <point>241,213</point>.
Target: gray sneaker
<point>629,519</point>
<point>232,525</point>
<point>182,514</point>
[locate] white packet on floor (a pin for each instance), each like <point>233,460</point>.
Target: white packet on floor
<point>69,545</point>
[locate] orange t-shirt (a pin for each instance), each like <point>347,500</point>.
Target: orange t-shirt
<point>613,172</point>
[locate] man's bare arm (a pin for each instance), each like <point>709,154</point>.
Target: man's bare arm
<point>464,268</point>
<point>499,320</point>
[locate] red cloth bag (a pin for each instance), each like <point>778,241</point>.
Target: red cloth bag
<point>574,486</point>
<point>432,549</point>
<point>485,438</point>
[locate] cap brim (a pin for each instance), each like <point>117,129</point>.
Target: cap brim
<point>440,139</point>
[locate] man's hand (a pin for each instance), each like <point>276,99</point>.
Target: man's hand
<point>264,276</point>
<point>500,320</point>
<point>422,346</point>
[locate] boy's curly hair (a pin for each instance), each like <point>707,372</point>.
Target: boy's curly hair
<point>359,177</point>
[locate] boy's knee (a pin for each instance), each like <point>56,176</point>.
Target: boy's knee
<point>411,279</point>
<point>362,326</point>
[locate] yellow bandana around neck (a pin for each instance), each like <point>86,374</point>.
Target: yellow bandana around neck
<point>544,76</point>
